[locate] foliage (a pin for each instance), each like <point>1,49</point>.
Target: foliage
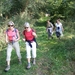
<point>35,8</point>
<point>54,57</point>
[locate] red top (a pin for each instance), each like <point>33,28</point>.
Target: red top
<point>28,35</point>
<point>11,34</point>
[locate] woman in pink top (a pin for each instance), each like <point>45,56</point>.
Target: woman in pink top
<point>12,37</point>
<point>29,37</point>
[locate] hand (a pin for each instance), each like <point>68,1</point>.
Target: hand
<point>34,34</point>
<point>15,40</point>
<point>7,41</point>
<point>23,39</point>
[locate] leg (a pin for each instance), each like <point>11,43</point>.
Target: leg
<point>61,33</point>
<point>17,48</point>
<point>34,51</point>
<point>9,50</point>
<point>58,35</point>
<point>48,31</point>
<point>28,50</point>
<point>51,35</point>
<point>48,35</point>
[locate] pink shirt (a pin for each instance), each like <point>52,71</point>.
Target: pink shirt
<point>12,34</point>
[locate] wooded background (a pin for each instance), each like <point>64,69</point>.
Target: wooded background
<point>33,10</point>
<point>38,8</point>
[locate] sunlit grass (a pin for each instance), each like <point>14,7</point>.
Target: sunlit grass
<point>70,36</point>
<point>54,57</point>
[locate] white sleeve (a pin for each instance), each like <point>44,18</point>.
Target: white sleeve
<point>55,24</point>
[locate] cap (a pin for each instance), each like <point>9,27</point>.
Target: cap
<point>11,23</point>
<point>26,24</point>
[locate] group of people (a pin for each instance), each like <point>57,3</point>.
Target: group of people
<point>12,38</point>
<point>58,29</point>
<point>29,35</point>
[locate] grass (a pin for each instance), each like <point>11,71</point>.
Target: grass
<point>54,57</point>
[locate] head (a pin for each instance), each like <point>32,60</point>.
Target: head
<point>11,24</point>
<point>58,20</point>
<point>26,25</point>
<point>48,21</point>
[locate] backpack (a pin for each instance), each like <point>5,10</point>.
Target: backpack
<point>15,30</point>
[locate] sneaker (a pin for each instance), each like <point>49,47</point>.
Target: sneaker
<point>20,62</point>
<point>7,68</point>
<point>28,66</point>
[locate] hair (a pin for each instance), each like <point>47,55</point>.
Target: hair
<point>11,23</point>
<point>58,19</point>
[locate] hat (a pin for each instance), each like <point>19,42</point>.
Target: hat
<point>26,24</point>
<point>11,23</point>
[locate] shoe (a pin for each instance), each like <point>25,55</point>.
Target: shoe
<point>7,68</point>
<point>52,37</point>
<point>20,62</point>
<point>28,66</point>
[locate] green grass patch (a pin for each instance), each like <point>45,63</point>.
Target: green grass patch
<point>54,57</point>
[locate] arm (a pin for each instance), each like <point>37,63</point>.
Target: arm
<point>62,28</point>
<point>51,25</point>
<point>34,34</point>
<point>6,38</point>
<point>55,26</point>
<point>23,36</point>
<point>18,35</point>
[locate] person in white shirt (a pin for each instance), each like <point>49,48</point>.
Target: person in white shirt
<point>58,28</point>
